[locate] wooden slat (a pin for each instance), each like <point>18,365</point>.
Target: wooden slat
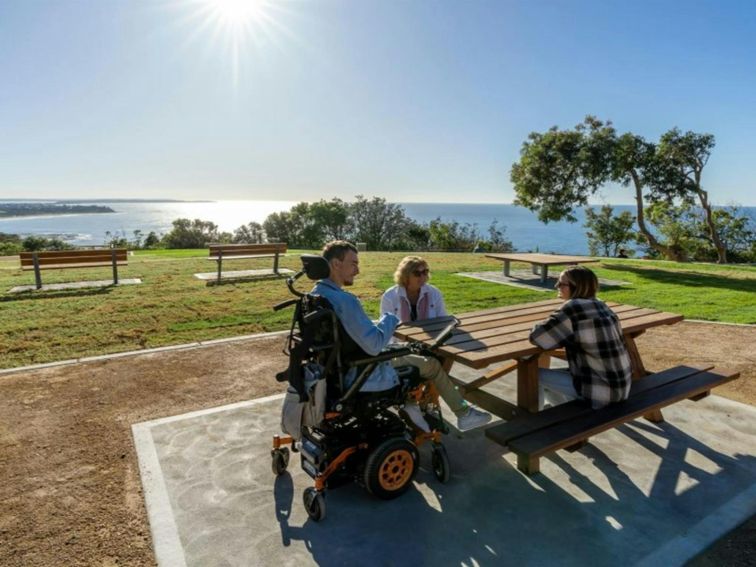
<point>642,323</point>
<point>495,320</point>
<point>531,423</point>
<point>519,306</point>
<point>482,332</point>
<point>74,266</point>
<point>62,258</point>
<point>246,249</point>
<point>586,425</point>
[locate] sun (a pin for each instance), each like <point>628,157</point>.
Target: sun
<point>236,13</point>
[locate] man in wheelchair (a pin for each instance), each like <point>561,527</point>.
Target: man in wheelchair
<point>374,337</point>
<point>345,380</point>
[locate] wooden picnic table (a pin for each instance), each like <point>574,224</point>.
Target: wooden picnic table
<point>500,335</point>
<point>540,260</point>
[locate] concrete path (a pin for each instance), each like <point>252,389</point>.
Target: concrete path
<point>641,494</point>
<point>74,285</point>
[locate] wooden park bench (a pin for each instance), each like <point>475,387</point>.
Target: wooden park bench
<point>64,259</point>
<point>568,426</point>
<point>220,252</point>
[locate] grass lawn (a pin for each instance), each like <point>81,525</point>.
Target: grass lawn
<point>172,307</point>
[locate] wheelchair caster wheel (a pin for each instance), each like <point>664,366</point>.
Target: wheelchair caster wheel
<point>280,460</point>
<point>314,502</point>
<point>390,468</point>
<point>440,463</point>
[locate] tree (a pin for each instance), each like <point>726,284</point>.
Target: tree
<point>152,240</point>
<point>331,217</point>
<point>737,232</point>
<point>497,241</point>
<point>561,169</point>
<point>681,159</point>
<point>250,233</point>
<point>191,234</point>
<point>10,244</point>
<point>38,243</point>
<point>634,161</point>
<point>608,233</point>
<point>381,225</point>
<point>677,225</point>
<point>280,227</point>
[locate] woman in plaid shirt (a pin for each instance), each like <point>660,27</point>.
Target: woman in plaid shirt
<point>599,364</point>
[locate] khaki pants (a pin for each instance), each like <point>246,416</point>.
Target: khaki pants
<point>431,370</point>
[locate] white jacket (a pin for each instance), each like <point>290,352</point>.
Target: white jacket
<point>430,303</point>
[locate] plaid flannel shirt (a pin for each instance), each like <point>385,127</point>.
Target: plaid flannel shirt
<point>598,359</point>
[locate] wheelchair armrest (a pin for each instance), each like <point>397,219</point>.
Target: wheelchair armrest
<point>382,356</point>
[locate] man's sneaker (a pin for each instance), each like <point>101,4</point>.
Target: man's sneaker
<point>412,411</point>
<point>472,418</point>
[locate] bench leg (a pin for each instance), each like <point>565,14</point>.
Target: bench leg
<point>528,465</point>
<point>639,371</point>
<point>654,416</point>
<point>506,268</point>
<point>115,266</point>
<point>527,384</point>
<point>275,264</point>
<point>544,273</point>
<point>220,262</point>
<point>37,274</point>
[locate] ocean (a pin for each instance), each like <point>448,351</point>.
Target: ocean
<point>521,226</point>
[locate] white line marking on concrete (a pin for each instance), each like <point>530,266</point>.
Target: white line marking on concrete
<point>727,517</point>
<point>166,541</point>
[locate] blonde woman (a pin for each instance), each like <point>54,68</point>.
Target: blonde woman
<point>413,298</point>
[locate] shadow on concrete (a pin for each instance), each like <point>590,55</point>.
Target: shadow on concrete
<point>597,513</point>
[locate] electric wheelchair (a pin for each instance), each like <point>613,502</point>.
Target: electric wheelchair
<point>343,434</point>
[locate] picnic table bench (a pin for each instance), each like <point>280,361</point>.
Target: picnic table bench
<point>568,426</point>
<point>542,261</point>
<point>487,337</point>
<point>64,259</point>
<point>220,252</point>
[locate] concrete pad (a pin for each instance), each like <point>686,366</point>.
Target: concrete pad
<point>654,494</point>
<point>212,277</point>
<point>528,280</point>
<point>74,285</point>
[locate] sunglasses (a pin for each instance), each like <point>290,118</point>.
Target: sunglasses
<point>420,273</point>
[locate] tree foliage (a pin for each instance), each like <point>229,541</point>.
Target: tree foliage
<point>250,233</point>
<point>608,233</point>
<point>560,169</point>
<point>191,234</point>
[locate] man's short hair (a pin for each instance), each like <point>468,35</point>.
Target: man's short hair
<point>337,249</point>
<point>583,282</point>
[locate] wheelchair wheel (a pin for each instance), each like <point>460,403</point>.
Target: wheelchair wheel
<point>390,468</point>
<point>440,463</point>
<point>314,502</point>
<point>280,460</point>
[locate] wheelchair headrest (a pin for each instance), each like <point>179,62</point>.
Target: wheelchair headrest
<point>315,267</point>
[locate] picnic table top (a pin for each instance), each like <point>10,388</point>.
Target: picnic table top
<point>494,335</point>
<point>543,259</point>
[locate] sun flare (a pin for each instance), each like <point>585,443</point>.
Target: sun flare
<point>237,13</point>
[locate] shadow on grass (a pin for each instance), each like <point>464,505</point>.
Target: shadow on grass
<point>690,279</point>
<point>35,295</point>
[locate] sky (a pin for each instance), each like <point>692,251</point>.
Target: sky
<point>413,100</point>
